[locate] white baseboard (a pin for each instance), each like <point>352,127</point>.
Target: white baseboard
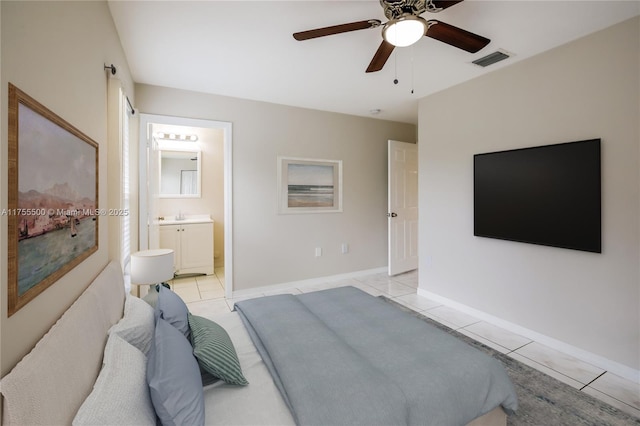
<point>586,356</point>
<point>307,283</point>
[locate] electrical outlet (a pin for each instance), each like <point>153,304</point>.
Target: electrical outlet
<point>318,251</point>
<point>345,248</point>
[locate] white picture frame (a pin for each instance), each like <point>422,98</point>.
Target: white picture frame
<point>307,185</point>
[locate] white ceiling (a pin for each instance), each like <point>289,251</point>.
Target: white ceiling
<point>246,50</point>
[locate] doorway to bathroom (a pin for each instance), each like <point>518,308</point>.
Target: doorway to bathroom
<point>185,176</point>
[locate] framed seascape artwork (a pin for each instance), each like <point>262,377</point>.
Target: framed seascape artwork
<point>53,198</point>
<point>309,186</point>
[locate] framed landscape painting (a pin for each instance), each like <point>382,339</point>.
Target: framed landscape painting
<point>53,198</point>
<point>309,185</point>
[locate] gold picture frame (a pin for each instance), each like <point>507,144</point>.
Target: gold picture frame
<point>53,198</point>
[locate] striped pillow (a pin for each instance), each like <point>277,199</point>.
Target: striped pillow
<point>214,350</point>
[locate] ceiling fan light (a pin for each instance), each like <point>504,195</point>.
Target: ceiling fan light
<point>404,31</point>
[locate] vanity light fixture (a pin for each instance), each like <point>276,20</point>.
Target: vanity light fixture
<point>176,137</point>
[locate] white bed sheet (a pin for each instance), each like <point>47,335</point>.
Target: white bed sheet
<point>258,403</point>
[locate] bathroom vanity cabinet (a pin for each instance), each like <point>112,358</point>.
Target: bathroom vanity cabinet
<point>192,242</point>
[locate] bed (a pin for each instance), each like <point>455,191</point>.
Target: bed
<point>113,359</point>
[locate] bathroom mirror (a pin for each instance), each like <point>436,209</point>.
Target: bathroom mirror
<point>180,173</point>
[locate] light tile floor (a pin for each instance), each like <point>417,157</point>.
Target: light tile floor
<point>205,295</point>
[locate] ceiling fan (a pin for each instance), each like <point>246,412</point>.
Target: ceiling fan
<point>405,27</point>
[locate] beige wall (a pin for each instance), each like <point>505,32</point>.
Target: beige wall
<point>586,89</point>
<point>55,52</point>
<point>270,248</point>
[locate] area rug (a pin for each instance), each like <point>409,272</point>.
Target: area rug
<point>542,400</point>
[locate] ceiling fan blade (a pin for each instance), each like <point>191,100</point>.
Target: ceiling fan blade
<point>438,5</point>
<point>457,37</point>
<point>336,29</point>
<point>381,56</point>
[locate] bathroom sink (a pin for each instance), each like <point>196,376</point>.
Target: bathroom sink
<point>195,218</point>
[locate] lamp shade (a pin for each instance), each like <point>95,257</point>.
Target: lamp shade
<point>404,31</point>
<point>151,266</point>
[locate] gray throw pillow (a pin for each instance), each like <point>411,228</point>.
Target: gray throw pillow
<point>137,325</point>
<point>174,379</point>
<point>172,309</point>
<point>214,350</point>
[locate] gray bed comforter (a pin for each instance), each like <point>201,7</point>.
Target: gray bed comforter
<point>344,357</point>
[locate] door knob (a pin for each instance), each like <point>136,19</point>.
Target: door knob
<point>392,214</point>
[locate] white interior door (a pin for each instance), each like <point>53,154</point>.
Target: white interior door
<point>403,207</point>
<point>149,186</point>
<point>153,185</point>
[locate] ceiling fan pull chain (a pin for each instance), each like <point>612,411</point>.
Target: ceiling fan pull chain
<point>395,62</point>
<point>412,69</point>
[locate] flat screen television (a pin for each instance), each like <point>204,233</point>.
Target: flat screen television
<point>548,195</point>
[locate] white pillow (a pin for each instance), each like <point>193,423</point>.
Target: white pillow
<point>120,395</point>
<point>137,324</point>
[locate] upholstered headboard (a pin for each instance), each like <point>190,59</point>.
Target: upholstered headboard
<point>50,383</point>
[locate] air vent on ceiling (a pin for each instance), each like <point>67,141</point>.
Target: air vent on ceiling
<point>492,58</point>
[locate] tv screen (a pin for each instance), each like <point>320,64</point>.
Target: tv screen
<point>547,195</point>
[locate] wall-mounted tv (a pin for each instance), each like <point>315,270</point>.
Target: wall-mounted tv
<point>548,195</point>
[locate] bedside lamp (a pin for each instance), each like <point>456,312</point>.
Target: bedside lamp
<point>151,267</point>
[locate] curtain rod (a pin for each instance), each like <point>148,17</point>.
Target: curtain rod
<point>112,69</point>
<point>133,111</point>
